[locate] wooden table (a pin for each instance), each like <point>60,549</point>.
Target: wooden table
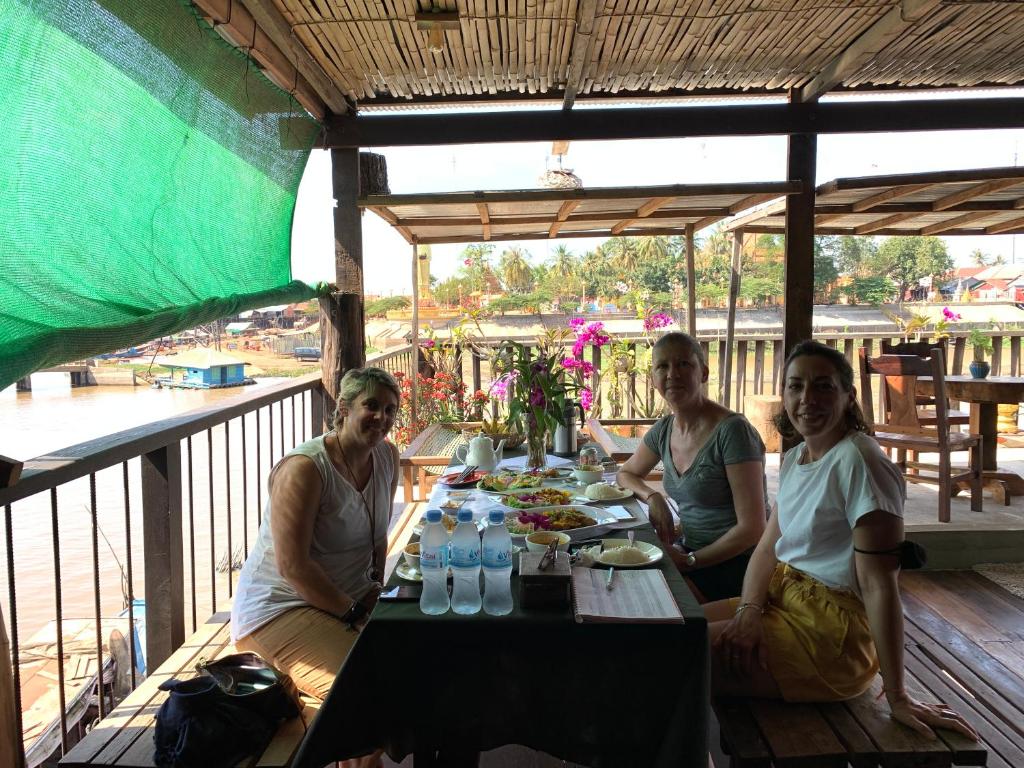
<point>985,395</point>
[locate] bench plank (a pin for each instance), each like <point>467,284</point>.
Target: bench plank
<point>740,735</point>
<point>798,735</point>
<point>861,750</point>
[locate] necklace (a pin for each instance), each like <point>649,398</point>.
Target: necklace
<point>374,573</point>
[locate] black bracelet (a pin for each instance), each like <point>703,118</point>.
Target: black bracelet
<point>356,612</point>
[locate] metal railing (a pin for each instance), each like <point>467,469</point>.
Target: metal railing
<point>214,460</point>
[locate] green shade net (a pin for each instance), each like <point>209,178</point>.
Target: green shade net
<point>148,175</point>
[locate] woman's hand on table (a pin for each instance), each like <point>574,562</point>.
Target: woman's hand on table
<point>661,518</point>
<point>920,716</point>
<point>741,644</point>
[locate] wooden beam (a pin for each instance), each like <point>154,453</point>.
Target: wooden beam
<point>485,220</point>
<point>582,49</point>
<point>391,219</point>
<point>886,196</point>
<point>416,129</point>
<point>798,280</point>
<point>1005,226</point>
<point>725,385</point>
<point>237,26</point>
<point>749,202</point>
<point>691,283</point>
<point>985,188</point>
<point>1019,203</point>
<point>877,224</point>
<point>164,553</point>
<point>954,223</point>
<point>769,210</point>
<point>644,211</point>
<point>872,41</point>
<point>608,217</point>
<point>705,222</point>
<point>563,213</point>
<point>277,28</point>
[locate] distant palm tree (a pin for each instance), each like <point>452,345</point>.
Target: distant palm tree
<point>654,248</point>
<point>516,273</point>
<point>564,263</point>
<point>623,253</point>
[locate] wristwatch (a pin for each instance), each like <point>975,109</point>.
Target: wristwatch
<point>354,614</point>
<point>691,559</point>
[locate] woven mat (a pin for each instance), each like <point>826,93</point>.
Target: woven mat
<point>1009,576</point>
<point>631,444</point>
<point>444,443</point>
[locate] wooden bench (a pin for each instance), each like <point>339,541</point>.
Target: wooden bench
<point>124,738</point>
<point>427,456</point>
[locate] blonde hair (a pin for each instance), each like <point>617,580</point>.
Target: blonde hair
<point>359,381</point>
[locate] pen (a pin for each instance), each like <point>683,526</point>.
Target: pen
<point>608,581</point>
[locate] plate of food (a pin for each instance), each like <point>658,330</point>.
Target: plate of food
<point>510,482</point>
<point>578,520</point>
<point>607,492</point>
<point>542,497</point>
<point>468,481</point>
<point>618,553</point>
<point>448,519</point>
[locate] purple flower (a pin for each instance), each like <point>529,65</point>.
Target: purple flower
<point>576,323</point>
<point>657,320</point>
<point>500,386</point>
<point>537,397</point>
<point>950,315</point>
<point>427,343</point>
<point>586,398</point>
<point>577,348</point>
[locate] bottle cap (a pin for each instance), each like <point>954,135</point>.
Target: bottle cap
<point>434,515</point>
<point>496,516</point>
<point>465,516</point>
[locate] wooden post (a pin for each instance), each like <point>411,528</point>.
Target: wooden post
<point>691,284</point>
<point>11,747</point>
<point>415,336</point>
<point>342,318</point>
<point>164,556</point>
<point>730,323</point>
<point>10,471</point>
<point>799,266</point>
<point>24,384</point>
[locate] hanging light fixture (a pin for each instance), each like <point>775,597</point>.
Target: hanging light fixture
<point>435,22</point>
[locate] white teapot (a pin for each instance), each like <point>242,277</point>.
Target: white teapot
<point>480,453</point>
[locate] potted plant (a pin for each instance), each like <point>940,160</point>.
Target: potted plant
<point>982,344</point>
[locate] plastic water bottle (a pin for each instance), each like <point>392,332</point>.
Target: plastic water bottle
<point>497,562</point>
<point>466,565</point>
<point>434,565</point>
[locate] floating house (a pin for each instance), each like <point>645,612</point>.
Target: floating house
<point>203,369</point>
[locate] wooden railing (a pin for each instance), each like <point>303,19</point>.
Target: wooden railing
<point>155,473</point>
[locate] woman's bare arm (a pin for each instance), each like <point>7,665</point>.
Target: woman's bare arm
<point>631,474</point>
<point>295,499</point>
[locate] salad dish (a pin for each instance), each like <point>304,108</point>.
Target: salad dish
<point>577,520</point>
<point>510,482</point>
<point>542,497</point>
<point>468,481</point>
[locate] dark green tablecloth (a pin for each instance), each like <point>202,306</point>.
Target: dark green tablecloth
<point>596,694</point>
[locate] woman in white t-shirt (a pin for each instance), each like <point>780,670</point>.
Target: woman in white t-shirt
<point>820,612</point>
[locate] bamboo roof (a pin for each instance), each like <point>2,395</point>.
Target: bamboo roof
<point>987,201</point>
<point>540,214</point>
<point>381,52</point>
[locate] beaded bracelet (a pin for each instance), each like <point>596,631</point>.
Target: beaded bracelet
<point>744,606</point>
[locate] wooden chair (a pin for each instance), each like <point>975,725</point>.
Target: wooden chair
<point>902,429</point>
<point>926,405</point>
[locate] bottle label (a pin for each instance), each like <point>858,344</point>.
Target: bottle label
<point>433,559</point>
<point>465,557</point>
<point>497,557</point>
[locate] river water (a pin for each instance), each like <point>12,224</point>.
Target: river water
<point>54,416</point>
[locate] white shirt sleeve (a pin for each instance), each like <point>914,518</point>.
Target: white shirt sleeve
<point>870,482</point>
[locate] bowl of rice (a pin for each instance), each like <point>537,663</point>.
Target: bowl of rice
<point>605,492</point>
<point>618,553</point>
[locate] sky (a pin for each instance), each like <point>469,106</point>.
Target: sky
<point>386,256</point>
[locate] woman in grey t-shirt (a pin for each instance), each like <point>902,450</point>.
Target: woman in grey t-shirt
<point>714,472</point>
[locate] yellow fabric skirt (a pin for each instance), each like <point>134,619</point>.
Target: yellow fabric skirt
<point>818,639</point>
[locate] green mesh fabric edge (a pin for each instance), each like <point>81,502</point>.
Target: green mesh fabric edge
<point>144,188</point>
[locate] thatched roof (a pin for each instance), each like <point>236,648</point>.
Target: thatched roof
<point>988,201</point>
<point>543,213</point>
<point>381,52</point>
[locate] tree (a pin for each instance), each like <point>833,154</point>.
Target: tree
<point>981,259</point>
<point>826,251</point>
<point>453,290</point>
<point>908,259</point>
<point>561,275</point>
<point>853,253</point>
<point>516,275</point>
<point>381,307</point>
<point>874,289</point>
<point>623,252</point>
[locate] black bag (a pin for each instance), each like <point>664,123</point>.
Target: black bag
<point>229,712</point>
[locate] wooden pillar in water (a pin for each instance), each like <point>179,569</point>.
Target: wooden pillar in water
<point>724,386</point>
<point>342,323</point>
<point>24,384</point>
<point>691,284</point>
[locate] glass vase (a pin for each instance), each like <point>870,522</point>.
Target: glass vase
<point>536,447</point>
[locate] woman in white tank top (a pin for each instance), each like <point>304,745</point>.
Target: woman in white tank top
<point>316,570</point>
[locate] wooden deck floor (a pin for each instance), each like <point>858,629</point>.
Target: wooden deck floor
<point>959,619</point>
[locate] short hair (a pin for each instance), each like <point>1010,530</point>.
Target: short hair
<point>678,337</point>
<point>854,416</point>
<point>358,381</point>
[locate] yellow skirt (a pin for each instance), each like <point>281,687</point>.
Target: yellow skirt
<point>818,639</point>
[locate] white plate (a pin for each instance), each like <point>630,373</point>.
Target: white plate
<point>601,516</point>
<point>654,554</point>
<point>625,493</point>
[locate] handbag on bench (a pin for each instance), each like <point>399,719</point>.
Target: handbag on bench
<point>230,711</point>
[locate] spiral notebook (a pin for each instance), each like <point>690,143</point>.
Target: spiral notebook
<point>637,596</point>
